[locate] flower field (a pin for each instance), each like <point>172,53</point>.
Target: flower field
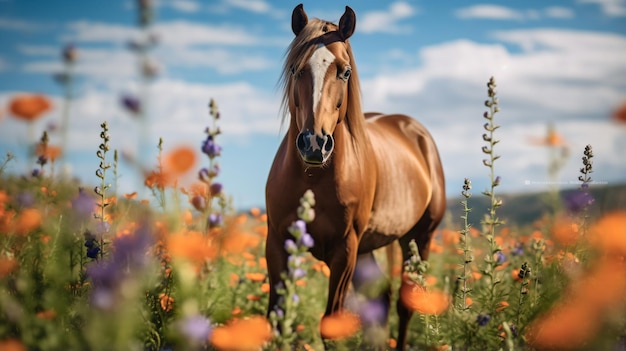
<point>88,267</point>
<point>85,267</point>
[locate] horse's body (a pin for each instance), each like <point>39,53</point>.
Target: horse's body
<point>376,178</point>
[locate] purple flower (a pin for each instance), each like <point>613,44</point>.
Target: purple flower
<point>130,251</point>
<point>26,199</point>
<point>500,257</point>
<point>199,203</point>
<point>69,53</point>
<point>577,201</point>
<point>298,273</point>
<point>518,250</point>
<point>132,104</point>
<point>295,298</point>
<point>83,205</point>
<point>211,148</point>
<point>205,174</point>
<point>197,328</point>
<point>294,260</point>
<point>93,251</point>
<point>307,240</point>
<point>215,189</point>
<point>36,172</point>
<point>483,319</point>
<point>215,220</point>
<point>290,246</point>
<point>101,228</point>
<point>372,312</point>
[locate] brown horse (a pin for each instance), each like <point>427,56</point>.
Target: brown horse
<point>376,178</point>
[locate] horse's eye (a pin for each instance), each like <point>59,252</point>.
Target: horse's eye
<point>346,74</point>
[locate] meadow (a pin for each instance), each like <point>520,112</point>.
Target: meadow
<point>87,267</point>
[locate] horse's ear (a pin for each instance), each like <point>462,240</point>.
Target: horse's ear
<point>299,19</point>
<point>347,23</point>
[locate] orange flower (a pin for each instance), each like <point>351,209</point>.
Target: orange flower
<point>502,305</point>
<point>192,246</point>
<point>234,279</point>
<point>51,152</point>
<point>29,107</point>
<point>7,265</point>
<point>157,179</point>
<point>166,302</point>
<point>265,288</point>
<point>620,113</point>
<point>552,138</point>
<point>255,277</point>
<point>423,300</point>
<point>449,237</point>
<point>252,297</point>
<point>27,221</point>
<point>255,212</point>
<point>46,314</point>
<point>131,196</point>
<point>609,234</point>
<point>565,231</point>
<point>12,345</point>
<point>339,325</point>
<point>179,161</point>
<point>242,334</point>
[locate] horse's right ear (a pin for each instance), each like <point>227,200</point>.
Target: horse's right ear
<point>299,19</point>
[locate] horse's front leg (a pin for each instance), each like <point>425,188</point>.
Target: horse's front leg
<point>276,258</point>
<point>341,262</point>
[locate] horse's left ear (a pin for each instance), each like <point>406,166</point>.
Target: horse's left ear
<point>347,23</point>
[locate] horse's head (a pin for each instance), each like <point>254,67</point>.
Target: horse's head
<point>319,65</point>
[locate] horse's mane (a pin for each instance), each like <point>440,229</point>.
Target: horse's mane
<point>298,54</point>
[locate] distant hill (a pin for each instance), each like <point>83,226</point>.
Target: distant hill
<point>525,208</point>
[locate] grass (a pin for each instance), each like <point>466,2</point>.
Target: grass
<point>85,267</point>
<point>97,270</point>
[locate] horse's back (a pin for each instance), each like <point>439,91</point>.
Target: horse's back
<point>409,175</point>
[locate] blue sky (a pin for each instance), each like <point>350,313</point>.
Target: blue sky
<point>560,62</point>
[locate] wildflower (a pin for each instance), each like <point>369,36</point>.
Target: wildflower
<point>93,251</point>
<point>518,250</point>
<point>205,174</point>
<point>609,233</point>
<point>26,199</point>
<point>83,205</point>
<point>179,161</point>
<point>192,246</point>
<point>424,301</point>
<point>255,212</point>
<point>7,265</point>
<point>27,221</point>
<point>166,302</point>
<point>339,325</point>
<point>199,203</point>
<point>483,319</point>
<point>372,311</point>
<point>500,258</point>
<point>12,345</point>
<point>502,305</point>
<point>211,148</point>
<point>297,273</point>
<point>619,114</point>
<point>565,231</point>
<point>578,200</point>
<point>197,328</point>
<point>290,246</point>
<point>255,277</point>
<point>215,220</point>
<point>132,104</point>
<point>29,107</point>
<point>215,189</point>
<point>242,334</point>
<point>69,53</point>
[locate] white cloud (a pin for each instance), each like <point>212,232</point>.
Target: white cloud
<point>258,6</point>
<point>18,25</point>
<point>489,12</point>
<point>188,6</point>
<point>573,79</point>
<point>223,61</point>
<point>386,21</point>
<point>559,12</point>
<point>612,8</point>
<point>498,12</point>
<point>38,50</point>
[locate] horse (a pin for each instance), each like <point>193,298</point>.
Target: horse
<point>377,178</point>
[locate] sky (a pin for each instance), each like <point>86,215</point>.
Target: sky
<point>559,62</point>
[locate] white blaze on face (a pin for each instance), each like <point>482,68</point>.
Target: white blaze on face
<point>319,63</point>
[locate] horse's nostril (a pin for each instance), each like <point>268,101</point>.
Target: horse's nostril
<point>328,146</point>
<point>302,142</point>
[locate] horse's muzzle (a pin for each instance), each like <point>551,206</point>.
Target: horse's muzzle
<point>315,149</point>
